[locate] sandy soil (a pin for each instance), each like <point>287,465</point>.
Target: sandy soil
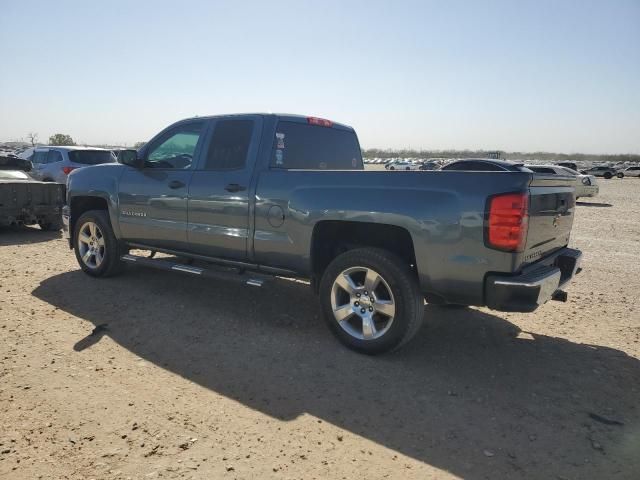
<point>186,378</point>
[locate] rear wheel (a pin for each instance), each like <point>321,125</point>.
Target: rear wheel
<point>620,175</point>
<point>371,300</point>
<point>608,175</point>
<point>95,245</point>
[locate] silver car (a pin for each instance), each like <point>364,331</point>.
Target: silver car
<point>53,164</point>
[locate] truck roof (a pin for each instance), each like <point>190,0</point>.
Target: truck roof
<point>287,117</point>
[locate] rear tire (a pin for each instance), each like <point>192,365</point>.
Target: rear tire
<point>95,245</point>
<point>608,175</point>
<point>620,175</point>
<point>371,300</point>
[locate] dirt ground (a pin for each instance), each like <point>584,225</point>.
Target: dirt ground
<point>189,378</point>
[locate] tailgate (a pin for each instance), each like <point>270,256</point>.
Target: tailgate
<point>551,209</point>
<point>31,194</point>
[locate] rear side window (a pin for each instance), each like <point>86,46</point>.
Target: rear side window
<point>40,157</point>
<point>54,156</point>
<point>90,157</point>
<point>543,170</point>
<point>230,145</point>
<point>311,147</point>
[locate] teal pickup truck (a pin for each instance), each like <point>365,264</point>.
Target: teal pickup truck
<point>245,197</point>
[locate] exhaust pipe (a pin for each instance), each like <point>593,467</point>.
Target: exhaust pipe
<point>560,296</point>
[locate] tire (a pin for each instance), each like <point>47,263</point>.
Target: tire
<point>620,175</point>
<point>397,292</point>
<point>392,168</point>
<point>106,245</point>
<point>608,175</point>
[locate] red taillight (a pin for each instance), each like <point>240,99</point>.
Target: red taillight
<point>67,170</point>
<point>508,221</point>
<point>319,121</point>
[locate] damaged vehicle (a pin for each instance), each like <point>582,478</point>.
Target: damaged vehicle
<point>25,201</point>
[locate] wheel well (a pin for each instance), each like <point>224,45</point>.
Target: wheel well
<point>331,238</point>
<point>79,205</point>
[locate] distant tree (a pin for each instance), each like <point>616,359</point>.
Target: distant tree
<point>138,145</point>
<point>61,139</point>
<point>33,138</point>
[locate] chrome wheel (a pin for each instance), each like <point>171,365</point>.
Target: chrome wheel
<point>362,303</point>
<point>91,245</point>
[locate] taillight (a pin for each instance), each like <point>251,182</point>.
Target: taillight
<point>322,122</point>
<point>508,221</point>
<point>67,170</point>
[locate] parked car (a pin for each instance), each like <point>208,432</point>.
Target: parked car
<point>632,172</point>
<point>288,195</point>
<point>24,201</point>
<point>53,164</point>
<point>603,171</point>
<point>585,185</point>
<point>401,165</point>
<point>483,165</point>
<point>570,165</point>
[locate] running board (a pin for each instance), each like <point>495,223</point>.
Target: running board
<point>235,276</point>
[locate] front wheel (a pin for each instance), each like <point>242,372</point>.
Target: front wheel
<point>371,300</point>
<point>95,245</point>
<point>608,175</point>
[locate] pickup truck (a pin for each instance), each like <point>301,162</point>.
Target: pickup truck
<point>246,197</point>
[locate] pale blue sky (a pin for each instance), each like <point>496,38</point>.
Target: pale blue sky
<point>514,75</point>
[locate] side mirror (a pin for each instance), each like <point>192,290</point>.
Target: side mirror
<point>131,158</point>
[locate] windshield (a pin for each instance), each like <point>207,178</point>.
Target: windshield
<point>13,175</point>
<point>90,157</point>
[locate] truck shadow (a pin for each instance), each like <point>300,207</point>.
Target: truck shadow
<point>471,395</point>
<point>23,234</point>
<point>594,204</point>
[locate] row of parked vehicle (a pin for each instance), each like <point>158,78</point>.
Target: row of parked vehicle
<point>604,171</point>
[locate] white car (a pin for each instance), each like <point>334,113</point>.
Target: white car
<point>585,185</point>
<point>632,172</point>
<point>402,165</point>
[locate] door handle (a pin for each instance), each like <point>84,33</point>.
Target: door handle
<point>234,187</point>
<point>176,184</point>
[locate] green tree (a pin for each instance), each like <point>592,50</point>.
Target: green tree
<point>61,139</point>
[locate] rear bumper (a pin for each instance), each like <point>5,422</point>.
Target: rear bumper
<point>535,285</point>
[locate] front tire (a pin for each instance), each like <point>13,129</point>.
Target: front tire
<point>95,245</point>
<point>608,175</point>
<point>620,175</point>
<point>371,300</point>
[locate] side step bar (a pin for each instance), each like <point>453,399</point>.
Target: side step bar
<point>254,280</point>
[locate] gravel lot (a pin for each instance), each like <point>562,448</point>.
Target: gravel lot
<point>188,378</point>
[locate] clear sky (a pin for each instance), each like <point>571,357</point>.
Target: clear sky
<point>548,75</point>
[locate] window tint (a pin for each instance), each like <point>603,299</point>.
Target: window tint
<point>543,170</point>
<point>175,149</point>
<point>40,157</point>
<point>90,157</point>
<point>54,156</point>
<point>229,145</point>
<point>298,145</point>
<point>474,167</point>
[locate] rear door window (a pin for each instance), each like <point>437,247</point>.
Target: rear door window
<point>229,145</point>
<point>311,147</point>
<point>543,170</point>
